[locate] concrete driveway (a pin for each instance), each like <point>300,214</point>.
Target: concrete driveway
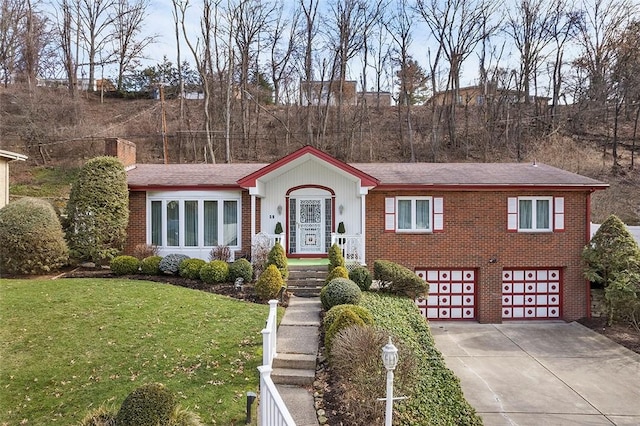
<point>542,373</point>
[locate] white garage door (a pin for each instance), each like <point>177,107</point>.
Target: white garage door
<point>452,294</point>
<point>531,293</point>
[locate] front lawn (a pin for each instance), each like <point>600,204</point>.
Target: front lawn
<point>70,345</point>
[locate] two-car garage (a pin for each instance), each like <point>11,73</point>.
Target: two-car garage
<point>526,293</point>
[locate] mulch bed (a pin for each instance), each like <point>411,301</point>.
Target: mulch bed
<point>621,333</point>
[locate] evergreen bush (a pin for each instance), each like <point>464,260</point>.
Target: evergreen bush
<point>216,271</point>
<point>337,272</point>
<point>269,283</point>
<point>278,258</point>
<point>98,211</point>
<point>149,405</point>
<point>241,268</point>
<point>345,319</point>
<point>125,265</point>
<point>361,276</point>
<point>170,264</point>
<point>334,312</point>
<point>190,268</point>
<point>335,257</point>
<point>340,291</point>
<point>399,280</point>
<point>151,265</point>
<point>31,238</point>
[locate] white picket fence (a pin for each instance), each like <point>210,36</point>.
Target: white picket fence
<point>273,411</point>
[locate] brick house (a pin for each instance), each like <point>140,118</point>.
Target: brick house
<point>494,241</point>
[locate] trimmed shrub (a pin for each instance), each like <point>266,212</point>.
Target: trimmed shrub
<point>190,268</point>
<point>361,276</point>
<point>397,279</point>
<point>170,264</point>
<point>269,283</point>
<point>337,272</point>
<point>334,312</point>
<point>216,271</point>
<point>241,268</point>
<point>125,265</point>
<point>278,258</point>
<point>98,211</point>
<point>340,291</point>
<point>345,319</point>
<point>149,405</point>
<point>31,238</point>
<point>335,257</point>
<point>151,265</point>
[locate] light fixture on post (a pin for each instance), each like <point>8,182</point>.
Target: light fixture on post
<point>390,361</point>
<point>279,209</point>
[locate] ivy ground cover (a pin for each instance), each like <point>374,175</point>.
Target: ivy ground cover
<point>68,346</point>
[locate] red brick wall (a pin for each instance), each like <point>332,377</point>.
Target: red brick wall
<point>475,231</point>
<point>137,229</point>
<point>121,148</point>
<point>246,223</point>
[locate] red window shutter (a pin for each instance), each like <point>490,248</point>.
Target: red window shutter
<point>558,214</point>
<point>389,214</point>
<point>512,214</point>
<point>438,214</point>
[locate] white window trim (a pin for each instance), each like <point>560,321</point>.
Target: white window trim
<point>534,228</point>
<point>413,229</point>
<point>200,197</point>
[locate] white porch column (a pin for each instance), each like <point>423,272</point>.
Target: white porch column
<point>253,217</point>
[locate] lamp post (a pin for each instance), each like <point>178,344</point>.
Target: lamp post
<point>390,360</point>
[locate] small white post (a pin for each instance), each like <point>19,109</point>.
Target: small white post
<point>390,361</point>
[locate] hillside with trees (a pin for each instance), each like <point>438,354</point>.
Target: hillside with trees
<point>556,82</point>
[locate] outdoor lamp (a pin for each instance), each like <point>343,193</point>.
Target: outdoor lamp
<point>390,360</point>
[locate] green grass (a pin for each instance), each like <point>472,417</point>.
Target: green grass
<point>70,345</point>
<point>47,182</point>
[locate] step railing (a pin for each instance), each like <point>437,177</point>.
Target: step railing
<point>352,247</point>
<point>273,411</point>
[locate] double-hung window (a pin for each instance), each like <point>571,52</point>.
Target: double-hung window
<point>413,214</point>
<point>535,214</point>
<point>194,220</point>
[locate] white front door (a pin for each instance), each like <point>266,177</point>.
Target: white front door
<point>310,221</point>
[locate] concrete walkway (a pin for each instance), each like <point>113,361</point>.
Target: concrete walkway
<point>542,373</point>
<point>298,334</point>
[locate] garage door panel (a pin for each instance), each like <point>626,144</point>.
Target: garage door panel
<point>531,293</point>
<point>451,294</point>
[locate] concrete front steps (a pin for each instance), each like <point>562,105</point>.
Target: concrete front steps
<point>306,280</point>
<point>294,369</point>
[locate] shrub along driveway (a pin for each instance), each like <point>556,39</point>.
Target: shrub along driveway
<point>542,373</point>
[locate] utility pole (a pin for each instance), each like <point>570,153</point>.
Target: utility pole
<point>164,127</point>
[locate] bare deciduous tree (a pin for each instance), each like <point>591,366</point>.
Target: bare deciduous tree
<point>96,31</point>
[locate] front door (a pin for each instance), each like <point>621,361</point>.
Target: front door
<point>310,223</point>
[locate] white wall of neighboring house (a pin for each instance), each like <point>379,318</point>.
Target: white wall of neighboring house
<point>5,158</point>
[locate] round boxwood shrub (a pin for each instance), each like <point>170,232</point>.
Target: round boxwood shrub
<point>125,265</point>
<point>190,268</point>
<point>31,238</point>
<point>269,283</point>
<point>337,310</point>
<point>151,265</point>
<point>241,268</point>
<point>337,272</point>
<point>340,291</point>
<point>149,405</point>
<point>361,276</point>
<point>346,318</point>
<point>170,264</point>
<point>216,271</point>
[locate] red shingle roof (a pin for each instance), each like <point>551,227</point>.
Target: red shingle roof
<point>395,175</point>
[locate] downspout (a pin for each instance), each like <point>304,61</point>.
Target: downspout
<point>363,224</point>
<point>253,217</point>
<point>588,238</point>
